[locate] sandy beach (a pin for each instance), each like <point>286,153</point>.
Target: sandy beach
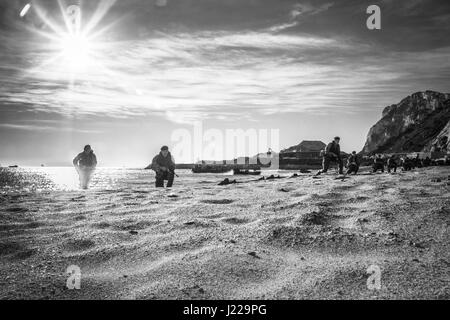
<point>293,238</point>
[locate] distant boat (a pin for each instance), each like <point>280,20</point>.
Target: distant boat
<point>246,172</point>
<point>207,168</point>
<point>14,166</point>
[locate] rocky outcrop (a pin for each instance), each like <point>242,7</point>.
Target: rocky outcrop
<point>442,142</point>
<point>412,125</point>
<point>306,146</point>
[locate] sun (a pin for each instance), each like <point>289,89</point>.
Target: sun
<point>76,50</point>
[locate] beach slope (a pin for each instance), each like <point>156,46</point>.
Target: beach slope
<point>294,238</point>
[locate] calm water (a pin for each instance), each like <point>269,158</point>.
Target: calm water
<point>36,179</point>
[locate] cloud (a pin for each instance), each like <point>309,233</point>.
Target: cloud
<point>299,10</point>
<point>35,127</point>
<point>230,73</point>
<point>225,74</point>
<point>307,8</point>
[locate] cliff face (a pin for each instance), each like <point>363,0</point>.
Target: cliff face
<point>442,141</point>
<point>412,125</point>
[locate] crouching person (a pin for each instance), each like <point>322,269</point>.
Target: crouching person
<point>406,164</point>
<point>352,163</point>
<point>378,164</point>
<point>332,154</point>
<point>164,166</point>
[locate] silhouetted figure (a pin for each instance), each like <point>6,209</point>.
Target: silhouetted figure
<point>392,164</point>
<point>406,164</point>
<point>164,166</point>
<point>418,162</point>
<point>378,163</point>
<point>352,163</point>
<point>85,164</point>
<point>332,154</point>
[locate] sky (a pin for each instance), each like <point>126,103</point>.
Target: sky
<point>129,76</point>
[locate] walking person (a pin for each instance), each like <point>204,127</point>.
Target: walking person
<point>85,164</point>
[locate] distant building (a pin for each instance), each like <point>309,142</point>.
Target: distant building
<point>306,146</point>
<point>307,154</point>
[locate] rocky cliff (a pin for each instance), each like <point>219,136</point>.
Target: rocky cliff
<point>442,141</point>
<point>417,123</point>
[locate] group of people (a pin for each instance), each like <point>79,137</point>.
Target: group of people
<point>163,164</point>
<point>406,163</point>
<point>332,154</point>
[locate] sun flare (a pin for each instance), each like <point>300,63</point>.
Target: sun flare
<point>76,51</point>
<point>74,48</point>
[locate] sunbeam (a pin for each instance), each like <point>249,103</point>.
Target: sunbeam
<point>72,50</point>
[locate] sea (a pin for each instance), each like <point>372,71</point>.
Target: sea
<point>39,179</point>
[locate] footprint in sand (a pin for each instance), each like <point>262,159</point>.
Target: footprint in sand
<point>33,225</point>
<point>25,254</point>
<point>133,225</point>
<point>235,220</point>
<point>331,195</point>
<point>21,226</point>
<point>298,194</point>
<point>101,225</point>
<point>218,201</point>
<point>79,245</point>
<point>358,199</point>
<point>17,210</point>
<point>314,218</point>
<point>7,248</point>
<point>17,250</point>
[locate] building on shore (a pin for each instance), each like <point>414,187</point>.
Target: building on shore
<point>307,154</point>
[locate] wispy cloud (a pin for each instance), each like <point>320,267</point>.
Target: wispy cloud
<point>38,128</point>
<point>299,10</point>
<point>221,74</point>
<point>224,74</point>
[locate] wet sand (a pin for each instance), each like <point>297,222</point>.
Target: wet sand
<point>292,238</point>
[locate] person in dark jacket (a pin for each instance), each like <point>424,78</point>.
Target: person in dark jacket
<point>406,164</point>
<point>85,164</point>
<point>392,164</point>
<point>352,163</point>
<point>332,154</point>
<point>164,166</point>
<point>378,163</point>
<point>85,159</point>
<point>418,162</point>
